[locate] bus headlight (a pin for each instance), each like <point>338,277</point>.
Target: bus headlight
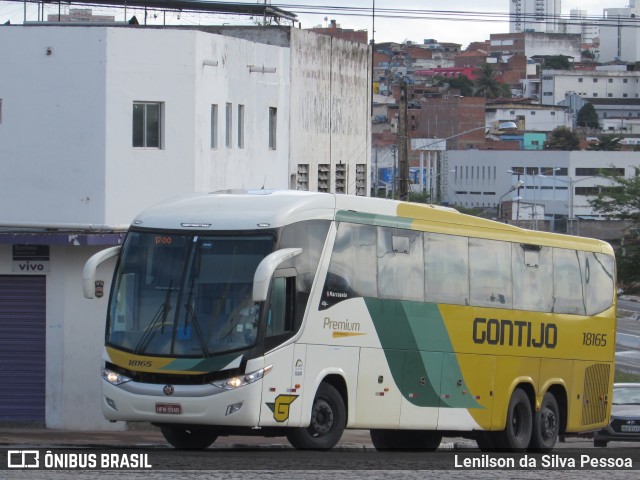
<point>242,380</point>
<point>114,378</point>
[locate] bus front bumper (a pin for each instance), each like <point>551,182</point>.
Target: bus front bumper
<point>182,404</point>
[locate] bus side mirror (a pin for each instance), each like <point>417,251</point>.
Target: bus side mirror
<point>265,270</point>
<point>89,270</point>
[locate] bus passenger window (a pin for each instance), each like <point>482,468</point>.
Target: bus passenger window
<point>568,281</point>
<point>599,285</point>
<point>446,271</point>
<point>400,264</point>
<point>532,269</point>
<point>490,273</point>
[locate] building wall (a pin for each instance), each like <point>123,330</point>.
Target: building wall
<point>482,178</point>
<point>446,117</point>
<point>619,37</point>
<point>77,151</point>
<point>536,44</point>
<point>556,84</point>
<point>330,94</point>
<point>187,162</point>
<point>52,136</point>
<point>534,15</point>
<point>530,117</point>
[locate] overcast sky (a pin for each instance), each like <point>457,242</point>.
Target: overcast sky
<point>459,21</point>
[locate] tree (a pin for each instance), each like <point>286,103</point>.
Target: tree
<point>562,138</point>
<point>463,83</point>
<point>623,201</point>
<point>588,54</point>
<point>588,117</point>
<point>606,143</point>
<point>557,62</point>
<point>487,84</point>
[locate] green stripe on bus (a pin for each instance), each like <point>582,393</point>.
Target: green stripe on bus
<point>373,219</point>
<point>212,364</point>
<point>420,354</point>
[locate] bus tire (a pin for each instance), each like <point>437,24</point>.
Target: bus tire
<point>546,425</point>
<point>328,420</point>
<point>407,440</point>
<point>189,437</point>
<point>517,433</point>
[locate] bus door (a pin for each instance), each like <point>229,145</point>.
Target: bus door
<point>278,393</point>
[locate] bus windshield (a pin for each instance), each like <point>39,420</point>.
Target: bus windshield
<point>185,295</point>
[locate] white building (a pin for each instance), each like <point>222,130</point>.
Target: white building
<point>589,84</point>
<point>580,23</point>
<point>531,118</point>
<point>619,35</point>
<point>560,181</point>
<point>99,122</point>
<point>534,16</point>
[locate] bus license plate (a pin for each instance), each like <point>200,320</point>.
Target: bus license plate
<point>169,408</point>
<point>630,428</point>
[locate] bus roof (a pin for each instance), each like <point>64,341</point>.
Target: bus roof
<point>256,209</point>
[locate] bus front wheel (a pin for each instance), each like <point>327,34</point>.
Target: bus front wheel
<point>189,437</point>
<point>517,433</point>
<point>546,425</point>
<point>328,420</point>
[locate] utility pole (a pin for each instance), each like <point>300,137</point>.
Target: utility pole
<point>403,140</point>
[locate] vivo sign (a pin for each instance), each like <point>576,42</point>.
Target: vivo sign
<point>30,258</point>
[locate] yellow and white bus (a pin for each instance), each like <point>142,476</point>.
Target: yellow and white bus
<point>302,314</point>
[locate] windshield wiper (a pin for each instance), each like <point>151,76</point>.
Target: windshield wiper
<point>159,317</point>
<point>190,312</point>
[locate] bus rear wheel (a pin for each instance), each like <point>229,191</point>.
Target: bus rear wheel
<point>546,425</point>
<point>189,437</point>
<point>406,440</point>
<point>328,420</point>
<point>517,434</point>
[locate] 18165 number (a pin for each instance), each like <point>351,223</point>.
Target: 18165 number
<point>594,339</point>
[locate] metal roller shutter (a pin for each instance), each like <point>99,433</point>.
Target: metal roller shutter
<point>22,348</point>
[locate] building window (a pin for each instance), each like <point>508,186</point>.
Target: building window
<point>147,117</point>
<point>611,80</point>
<point>609,95</point>
<point>229,124</point>
<point>625,80</point>
<point>595,94</point>
<point>595,80</point>
<point>240,126</point>
<point>552,113</point>
<point>303,177</point>
<point>341,178</point>
<point>214,126</point>
<point>579,80</point>
<point>273,126</point>
<point>624,95</point>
